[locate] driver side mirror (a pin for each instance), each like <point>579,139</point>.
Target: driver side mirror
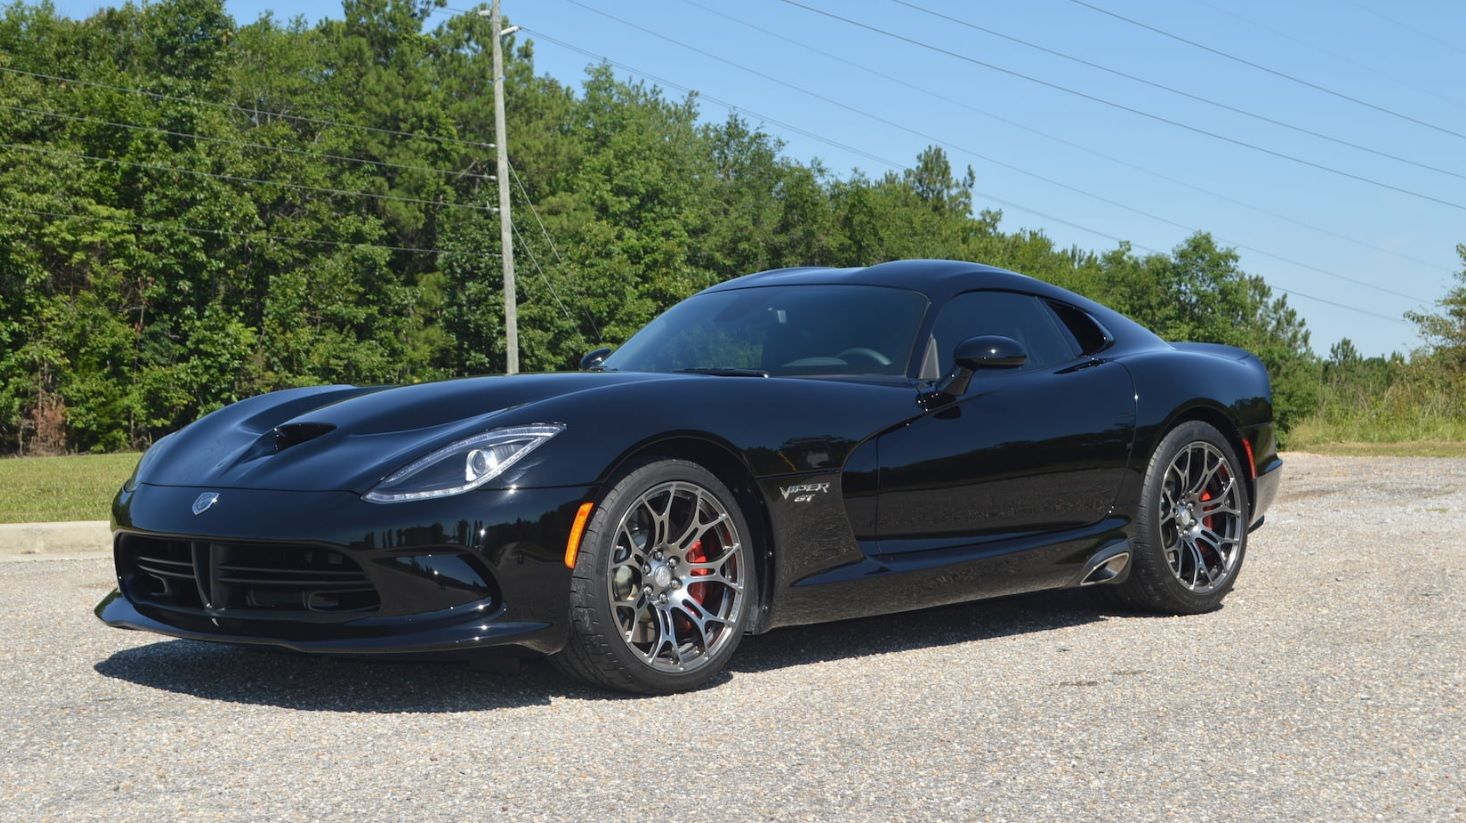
<point>595,358</point>
<point>990,352</point>
<point>985,352</point>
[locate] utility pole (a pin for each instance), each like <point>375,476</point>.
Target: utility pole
<point>506,225</point>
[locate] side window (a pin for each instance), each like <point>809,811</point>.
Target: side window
<point>1089,334</point>
<point>1019,316</point>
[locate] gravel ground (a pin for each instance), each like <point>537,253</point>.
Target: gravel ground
<point>1329,687</point>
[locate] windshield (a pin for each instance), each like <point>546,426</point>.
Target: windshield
<point>781,330</point>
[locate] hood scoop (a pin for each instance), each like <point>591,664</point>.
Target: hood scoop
<point>280,438</point>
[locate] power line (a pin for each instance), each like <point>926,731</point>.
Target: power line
<point>1103,101</point>
<point>245,143</point>
<point>1343,58</point>
<point>1180,92</point>
<point>1018,169</point>
<point>1275,72</point>
<point>240,179</point>
<point>734,108</point>
<point>222,232</point>
<point>1326,302</point>
<point>1293,292</point>
<point>541,272</point>
<point>1064,141</point>
<point>554,249</point>
<point>252,112</point>
<point>1407,27</point>
<point>323,121</point>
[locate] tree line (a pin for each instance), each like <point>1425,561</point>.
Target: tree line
<point>193,211</point>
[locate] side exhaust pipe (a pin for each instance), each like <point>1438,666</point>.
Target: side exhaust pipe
<point>1106,567</point>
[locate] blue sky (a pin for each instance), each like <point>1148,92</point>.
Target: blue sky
<point>1407,56</point>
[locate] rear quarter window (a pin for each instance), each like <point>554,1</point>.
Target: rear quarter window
<point>1088,334</point>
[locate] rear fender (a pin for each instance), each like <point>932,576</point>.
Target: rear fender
<point>1222,385</point>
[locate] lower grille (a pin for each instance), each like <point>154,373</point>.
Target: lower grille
<point>243,577</point>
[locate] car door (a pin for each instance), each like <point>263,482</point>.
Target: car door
<point>1033,449</point>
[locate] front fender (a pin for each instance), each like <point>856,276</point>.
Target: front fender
<point>775,426</point>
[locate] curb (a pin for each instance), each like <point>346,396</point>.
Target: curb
<point>71,537</point>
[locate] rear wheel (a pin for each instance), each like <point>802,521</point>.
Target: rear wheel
<point>661,587</point>
<point>1191,529</point>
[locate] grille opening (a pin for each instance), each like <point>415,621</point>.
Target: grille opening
<point>165,573</point>
<point>243,577</point>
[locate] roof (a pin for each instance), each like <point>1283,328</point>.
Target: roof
<point>938,279</point>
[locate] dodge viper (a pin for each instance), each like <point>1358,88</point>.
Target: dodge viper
<point>789,447</point>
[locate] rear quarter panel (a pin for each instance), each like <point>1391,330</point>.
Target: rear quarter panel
<point>1221,385</point>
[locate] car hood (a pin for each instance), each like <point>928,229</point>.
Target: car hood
<point>346,438</point>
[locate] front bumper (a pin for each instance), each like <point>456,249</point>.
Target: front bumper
<point>477,631</point>
<point>484,569</point>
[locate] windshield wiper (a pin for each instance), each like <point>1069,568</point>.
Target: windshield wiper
<point>726,372</point>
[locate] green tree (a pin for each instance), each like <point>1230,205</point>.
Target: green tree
<point>303,203</point>
<point>1444,331</point>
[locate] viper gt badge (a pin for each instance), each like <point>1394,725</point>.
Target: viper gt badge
<point>202,503</point>
<point>805,492</point>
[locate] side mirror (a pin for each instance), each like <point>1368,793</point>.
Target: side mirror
<point>986,352</point>
<point>593,359</point>
<point>990,352</point>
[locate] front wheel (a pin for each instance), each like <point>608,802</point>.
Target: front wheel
<point>1191,528</point>
<point>661,590</point>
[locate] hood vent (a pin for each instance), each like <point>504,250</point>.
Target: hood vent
<point>293,434</point>
<point>280,438</point>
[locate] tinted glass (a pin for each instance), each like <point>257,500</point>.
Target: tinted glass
<point>782,330</point>
<point>1087,333</point>
<point>1018,316</point>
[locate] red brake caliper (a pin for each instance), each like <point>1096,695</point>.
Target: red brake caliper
<point>1205,521</point>
<point>696,591</point>
<point>695,554</point>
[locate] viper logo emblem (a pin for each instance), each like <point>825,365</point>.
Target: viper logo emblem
<point>805,492</point>
<point>202,503</point>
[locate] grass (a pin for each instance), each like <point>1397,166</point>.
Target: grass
<point>81,487</point>
<point>1420,414</point>
<point>46,489</point>
<point>1399,448</point>
<point>1383,435</point>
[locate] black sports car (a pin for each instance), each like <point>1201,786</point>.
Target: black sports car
<point>789,447</point>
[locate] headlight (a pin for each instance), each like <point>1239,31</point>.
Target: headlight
<point>147,458</point>
<point>463,466</point>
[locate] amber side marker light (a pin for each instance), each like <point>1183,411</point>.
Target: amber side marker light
<point>572,546</point>
<point>1251,464</point>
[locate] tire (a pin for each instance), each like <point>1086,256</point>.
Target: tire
<point>623,607</point>
<point>1165,575</point>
